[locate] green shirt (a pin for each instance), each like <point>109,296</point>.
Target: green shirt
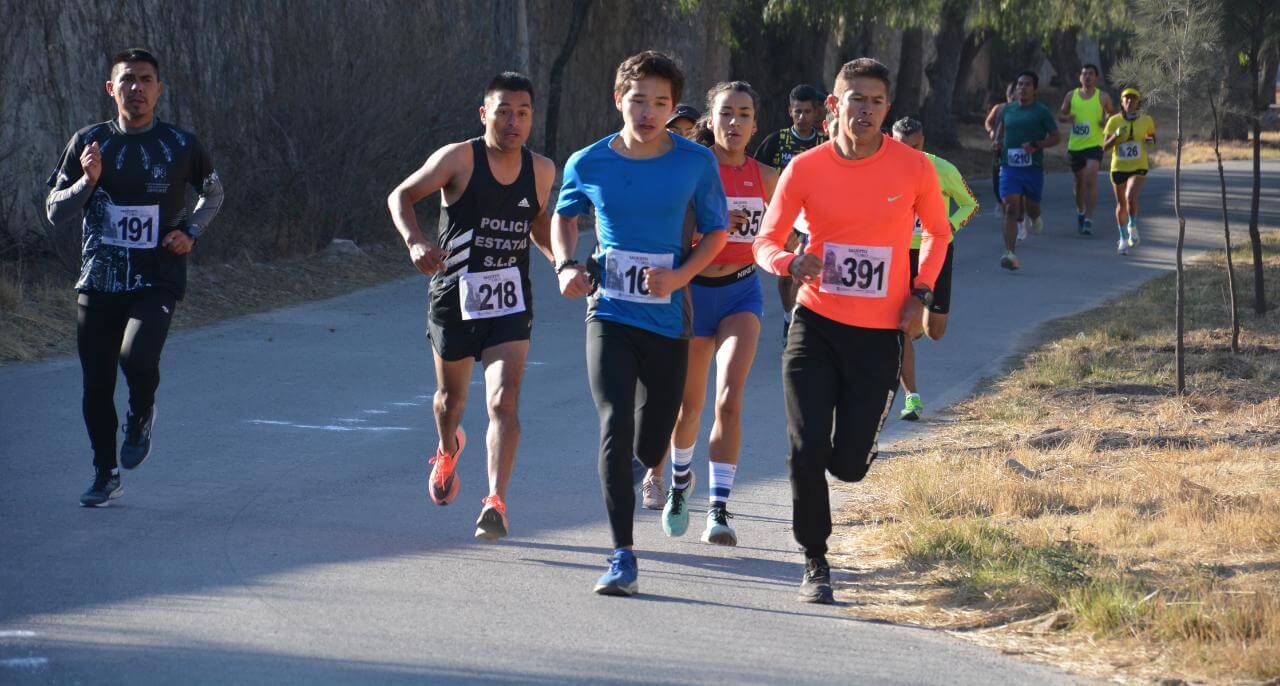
<point>954,191</point>
<point>1023,124</point>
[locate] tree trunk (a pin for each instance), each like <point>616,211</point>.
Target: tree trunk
<point>906,92</point>
<point>1226,229</point>
<point>940,127</point>
<point>1063,57</point>
<point>522,37</point>
<point>1179,349</point>
<point>1260,19</point>
<point>556,77</point>
<point>963,102</point>
<point>1270,67</point>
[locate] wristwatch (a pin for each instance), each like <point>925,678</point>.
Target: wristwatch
<point>923,294</point>
<point>565,263</point>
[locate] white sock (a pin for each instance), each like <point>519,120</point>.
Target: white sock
<point>722,474</point>
<point>681,460</point>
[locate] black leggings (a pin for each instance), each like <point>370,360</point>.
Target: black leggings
<point>839,382</point>
<point>637,380</point>
<point>128,329</point>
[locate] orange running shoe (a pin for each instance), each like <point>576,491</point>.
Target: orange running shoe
<point>492,523</point>
<point>444,483</point>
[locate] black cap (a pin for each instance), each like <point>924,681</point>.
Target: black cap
<point>684,112</point>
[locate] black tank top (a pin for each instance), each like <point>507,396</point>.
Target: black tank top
<point>487,230</point>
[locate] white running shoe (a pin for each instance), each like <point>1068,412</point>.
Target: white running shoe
<point>653,492</point>
<point>1133,235</point>
<point>1037,225</point>
<point>1022,229</point>
<point>1122,248</point>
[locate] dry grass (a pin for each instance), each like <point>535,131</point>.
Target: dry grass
<point>1078,511</point>
<point>38,313</point>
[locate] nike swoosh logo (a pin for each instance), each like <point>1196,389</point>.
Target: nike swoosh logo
<point>894,197</point>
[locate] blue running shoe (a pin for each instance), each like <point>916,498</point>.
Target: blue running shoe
<point>675,515</point>
<point>622,577</point>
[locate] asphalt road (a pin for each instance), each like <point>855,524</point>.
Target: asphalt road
<point>281,531</point>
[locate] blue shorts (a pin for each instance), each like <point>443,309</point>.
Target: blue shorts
<point>715,298</point>
<point>1025,181</point>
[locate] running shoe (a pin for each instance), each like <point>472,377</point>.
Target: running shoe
<point>492,523</point>
<point>912,407</point>
<point>1022,229</point>
<point>653,492</point>
<point>137,438</point>
<point>106,486</point>
<point>1009,261</point>
<point>1133,234</point>
<point>675,515</point>
<point>444,484</point>
<point>1037,225</point>
<point>622,579</point>
<point>1122,248</point>
<point>1086,229</point>
<point>815,587</point>
<point>1079,222</point>
<point>718,530</point>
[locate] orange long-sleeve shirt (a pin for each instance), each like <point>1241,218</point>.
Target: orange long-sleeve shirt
<point>861,214</point>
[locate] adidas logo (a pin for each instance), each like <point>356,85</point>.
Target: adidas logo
<point>524,202</point>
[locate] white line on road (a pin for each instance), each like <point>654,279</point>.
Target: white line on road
<point>25,662</point>
<point>18,633</point>
<point>326,427</point>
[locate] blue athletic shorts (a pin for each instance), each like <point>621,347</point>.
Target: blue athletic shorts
<point>1025,181</point>
<point>715,298</point>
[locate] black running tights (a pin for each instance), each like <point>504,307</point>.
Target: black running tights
<point>128,329</point>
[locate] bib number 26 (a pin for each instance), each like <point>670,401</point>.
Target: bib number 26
<point>856,270</point>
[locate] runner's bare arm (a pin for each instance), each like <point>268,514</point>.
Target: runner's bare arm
<point>440,171</point>
<point>544,174</point>
<point>1064,114</point>
<point>992,118</point>
<point>574,282</point>
<point>770,247</point>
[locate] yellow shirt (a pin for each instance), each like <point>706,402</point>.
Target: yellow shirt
<point>1129,151</point>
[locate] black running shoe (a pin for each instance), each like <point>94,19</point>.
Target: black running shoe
<point>106,486</point>
<point>137,439</point>
<point>815,587</point>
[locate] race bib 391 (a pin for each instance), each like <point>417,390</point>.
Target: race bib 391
<point>858,270</point>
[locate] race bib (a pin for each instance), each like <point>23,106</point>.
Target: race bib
<point>1017,157</point>
<point>1081,129</point>
<point>132,226</point>
<point>754,207</point>
<point>1130,150</point>
<point>857,270</point>
<point>491,294</point>
<point>624,273</point>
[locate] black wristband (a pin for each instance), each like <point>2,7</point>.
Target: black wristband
<point>565,263</point>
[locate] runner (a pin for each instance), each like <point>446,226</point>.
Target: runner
<point>493,191</point>
<point>861,193</point>
<point>1130,136</point>
<point>807,109</point>
<point>728,308</point>
<point>954,190</point>
<point>995,131</point>
<point>1086,109</point>
<point>126,180</point>
<point>640,181</point>
<point>682,122</point>
<point>1029,128</point>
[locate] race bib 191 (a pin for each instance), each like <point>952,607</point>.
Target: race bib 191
<point>624,275</point>
<point>132,226</point>
<point>1018,157</point>
<point>754,209</point>
<point>1081,129</point>
<point>1130,150</point>
<point>857,270</point>
<point>491,294</point>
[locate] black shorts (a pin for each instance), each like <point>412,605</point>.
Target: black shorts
<point>1121,178</point>
<point>941,287</point>
<point>461,339</point>
<point>1079,158</point>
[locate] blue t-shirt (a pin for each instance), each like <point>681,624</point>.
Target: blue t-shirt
<point>640,221</point>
